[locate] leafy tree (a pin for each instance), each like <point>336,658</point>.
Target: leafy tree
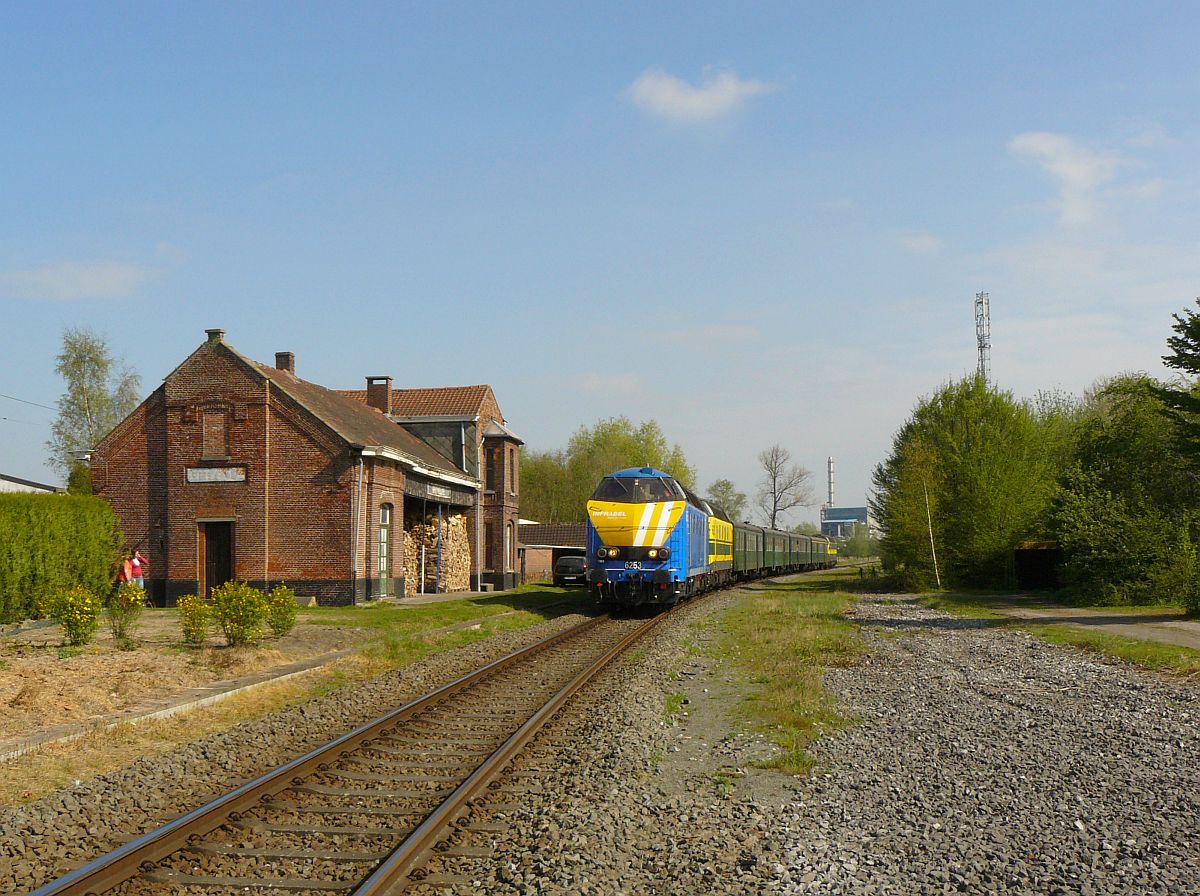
<point>1124,514</point>
<point>546,495</point>
<point>724,494</point>
<point>555,485</point>
<point>859,543</point>
<point>806,527</point>
<point>1181,401</point>
<point>972,465</point>
<point>101,391</point>
<point>784,485</point>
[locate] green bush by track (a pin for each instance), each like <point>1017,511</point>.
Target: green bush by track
<point>49,543</point>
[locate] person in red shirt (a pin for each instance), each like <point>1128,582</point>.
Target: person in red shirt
<point>138,565</point>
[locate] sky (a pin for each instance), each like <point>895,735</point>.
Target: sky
<point>756,224</point>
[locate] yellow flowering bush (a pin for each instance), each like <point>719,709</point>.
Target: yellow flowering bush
<point>195,615</point>
<point>77,610</point>
<point>281,609</point>
<point>124,608</point>
<point>240,611</point>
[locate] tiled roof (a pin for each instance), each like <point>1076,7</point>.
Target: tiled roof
<point>559,535</point>
<point>450,401</point>
<point>355,421</point>
<point>446,401</point>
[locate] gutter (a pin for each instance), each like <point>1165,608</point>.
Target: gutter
<point>413,465</point>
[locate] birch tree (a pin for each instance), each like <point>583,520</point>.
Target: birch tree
<point>100,392</point>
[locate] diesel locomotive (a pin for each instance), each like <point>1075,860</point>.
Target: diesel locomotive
<point>652,541</point>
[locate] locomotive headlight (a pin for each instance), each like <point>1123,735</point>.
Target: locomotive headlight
<point>613,553</point>
<point>663,553</point>
<point>652,553</point>
<point>601,553</point>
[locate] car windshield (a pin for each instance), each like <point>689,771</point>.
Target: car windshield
<point>635,489</point>
<point>570,563</point>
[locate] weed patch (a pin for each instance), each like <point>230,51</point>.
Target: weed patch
<point>781,640</point>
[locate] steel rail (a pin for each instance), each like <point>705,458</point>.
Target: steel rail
<point>394,870</point>
<point>124,862</point>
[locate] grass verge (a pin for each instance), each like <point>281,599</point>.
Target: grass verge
<point>396,636</point>
<point>781,638</point>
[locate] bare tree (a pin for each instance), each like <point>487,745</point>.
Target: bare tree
<point>784,484</point>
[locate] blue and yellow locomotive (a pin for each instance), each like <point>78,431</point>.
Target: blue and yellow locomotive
<point>651,541</point>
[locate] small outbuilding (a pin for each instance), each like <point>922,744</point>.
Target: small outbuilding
<point>543,543</point>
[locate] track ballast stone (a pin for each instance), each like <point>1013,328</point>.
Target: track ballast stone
<point>988,761</point>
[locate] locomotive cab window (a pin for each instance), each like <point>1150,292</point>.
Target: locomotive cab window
<point>635,490</point>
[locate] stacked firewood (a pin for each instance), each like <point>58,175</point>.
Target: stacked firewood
<point>456,554</point>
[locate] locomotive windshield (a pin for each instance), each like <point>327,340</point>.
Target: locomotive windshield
<point>637,490</point>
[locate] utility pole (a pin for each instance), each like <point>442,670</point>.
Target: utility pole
<point>983,334</point>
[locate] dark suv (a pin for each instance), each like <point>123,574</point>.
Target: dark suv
<point>570,571</point>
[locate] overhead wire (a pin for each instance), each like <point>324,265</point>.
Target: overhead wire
<point>24,401</point>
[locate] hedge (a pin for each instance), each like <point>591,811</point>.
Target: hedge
<point>52,542</point>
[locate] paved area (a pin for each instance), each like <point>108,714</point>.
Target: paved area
<point>1166,625</point>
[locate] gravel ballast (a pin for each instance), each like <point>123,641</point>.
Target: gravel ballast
<point>982,761</point>
<point>987,761</point>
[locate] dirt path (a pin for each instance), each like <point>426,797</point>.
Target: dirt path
<point>1165,625</point>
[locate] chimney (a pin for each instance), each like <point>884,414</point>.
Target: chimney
<point>286,361</point>
<point>215,335</point>
<point>379,393</point>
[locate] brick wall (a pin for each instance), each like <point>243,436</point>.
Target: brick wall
<point>292,508</point>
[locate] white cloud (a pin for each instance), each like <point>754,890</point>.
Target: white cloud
<point>719,94</point>
<point>71,280</point>
<point>1079,171</point>
<point>920,241</point>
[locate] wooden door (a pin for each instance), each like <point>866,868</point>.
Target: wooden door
<point>216,555</point>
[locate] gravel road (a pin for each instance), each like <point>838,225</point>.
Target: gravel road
<point>987,761</point>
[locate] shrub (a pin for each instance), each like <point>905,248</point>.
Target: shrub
<point>240,611</point>
<point>281,610</point>
<point>77,610</point>
<point>124,608</point>
<point>195,615</point>
<point>51,543</point>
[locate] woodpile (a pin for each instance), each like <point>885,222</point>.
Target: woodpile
<point>456,553</point>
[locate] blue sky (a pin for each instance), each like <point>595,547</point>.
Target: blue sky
<point>756,224</point>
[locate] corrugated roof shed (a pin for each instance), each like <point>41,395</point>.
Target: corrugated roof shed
<point>553,535</point>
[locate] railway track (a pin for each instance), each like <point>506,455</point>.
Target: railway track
<point>361,814</point>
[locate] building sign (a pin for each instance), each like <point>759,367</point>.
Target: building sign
<point>216,474</point>
<point>434,491</point>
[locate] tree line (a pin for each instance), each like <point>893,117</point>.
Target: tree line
<point>1109,478</point>
<point>556,484</point>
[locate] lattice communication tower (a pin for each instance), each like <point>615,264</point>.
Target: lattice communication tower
<point>983,334</point>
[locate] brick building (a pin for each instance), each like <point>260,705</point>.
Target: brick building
<point>233,469</point>
<point>464,424</point>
